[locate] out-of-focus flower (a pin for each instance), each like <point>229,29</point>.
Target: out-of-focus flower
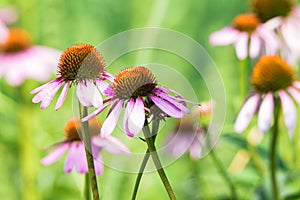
<point>247,34</point>
<point>76,157</point>
<point>186,136</point>
<point>20,60</point>
<point>7,16</point>
<point>271,77</point>
<point>284,16</point>
<point>83,66</point>
<point>205,109</point>
<point>136,89</point>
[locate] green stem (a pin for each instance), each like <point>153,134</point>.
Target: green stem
<point>88,150</point>
<point>87,187</point>
<point>155,158</point>
<point>273,150</point>
<point>244,78</point>
<point>155,126</point>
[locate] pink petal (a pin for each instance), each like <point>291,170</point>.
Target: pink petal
<point>255,46</point>
<point>289,111</point>
<point>70,161</point>
<point>270,40</point>
<point>225,36</point>
<point>62,95</point>
<point>3,32</point>
<point>136,119</point>
<point>88,94</point>
<point>108,76</point>
<point>273,23</point>
<point>55,155</point>
<point>95,113</point>
<point>111,144</point>
<point>128,110</point>
<point>265,114</point>
<point>81,163</point>
<point>105,88</point>
<point>98,163</point>
<point>167,107</point>
<point>195,150</point>
<point>295,94</point>
<point>241,46</point>
<point>8,15</point>
<point>296,84</point>
<point>112,119</point>
<point>246,113</point>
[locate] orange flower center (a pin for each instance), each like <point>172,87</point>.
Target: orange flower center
<point>271,74</point>
<point>18,40</point>
<point>80,62</point>
<point>134,82</point>
<point>246,22</point>
<point>73,129</point>
<point>268,9</point>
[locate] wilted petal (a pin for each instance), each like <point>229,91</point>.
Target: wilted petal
<point>55,155</point>
<point>246,113</point>
<point>112,119</point>
<point>289,111</point>
<point>241,46</point>
<point>225,36</point>
<point>167,107</point>
<point>265,114</point>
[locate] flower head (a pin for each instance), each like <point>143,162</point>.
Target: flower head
<point>7,16</point>
<point>136,89</point>
<point>21,60</point>
<point>83,66</point>
<point>271,77</point>
<point>246,26</point>
<point>76,157</point>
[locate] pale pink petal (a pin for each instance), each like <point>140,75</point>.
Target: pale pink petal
<point>128,110</point>
<point>225,36</point>
<point>110,144</point>
<point>167,107</point>
<point>270,40</point>
<point>289,111</point>
<point>108,76</point>
<point>81,163</point>
<point>95,113</point>
<point>98,163</point>
<point>136,118</point>
<point>248,110</point>
<point>118,144</point>
<point>111,120</point>
<point>71,157</point>
<point>255,45</point>
<point>265,114</point>
<point>62,95</point>
<point>241,46</point>
<point>88,94</point>
<point>195,150</point>
<point>105,88</point>
<point>273,23</point>
<point>3,32</point>
<point>296,84</point>
<point>55,155</point>
<point>8,15</point>
<point>295,94</point>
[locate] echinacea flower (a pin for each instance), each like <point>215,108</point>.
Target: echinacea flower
<point>186,137</point>
<point>136,89</point>
<point>272,78</point>
<point>21,60</point>
<point>284,17</point>
<point>246,33</point>
<point>7,16</point>
<point>76,157</point>
<point>83,66</point>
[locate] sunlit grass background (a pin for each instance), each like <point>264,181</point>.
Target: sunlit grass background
<point>62,23</point>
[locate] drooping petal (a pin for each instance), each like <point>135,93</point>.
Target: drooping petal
<point>111,144</point>
<point>95,113</point>
<point>167,107</point>
<point>225,36</point>
<point>128,110</point>
<point>136,118</point>
<point>295,94</point>
<point>81,163</point>
<point>255,45</point>
<point>248,110</point>
<point>289,111</point>
<point>105,88</point>
<point>55,155</point>
<point>111,120</point>
<point>62,95</point>
<point>98,165</point>
<point>265,113</point>
<point>71,158</point>
<point>89,95</point>
<point>241,46</point>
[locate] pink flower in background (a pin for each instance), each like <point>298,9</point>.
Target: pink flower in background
<point>247,32</point>
<point>7,16</point>
<point>136,89</point>
<point>186,137</point>
<point>271,77</point>
<point>20,60</point>
<point>83,66</point>
<point>76,157</point>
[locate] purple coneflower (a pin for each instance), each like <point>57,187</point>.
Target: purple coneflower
<point>76,157</point>
<point>284,16</point>
<point>83,66</point>
<point>7,16</point>
<point>20,60</point>
<point>272,78</point>
<point>246,31</point>
<point>136,89</point>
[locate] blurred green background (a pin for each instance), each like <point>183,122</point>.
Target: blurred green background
<point>62,23</point>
